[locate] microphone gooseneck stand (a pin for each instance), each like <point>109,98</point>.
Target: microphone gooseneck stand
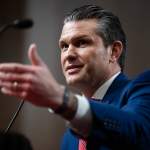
<point>14,116</point>
<point>18,24</point>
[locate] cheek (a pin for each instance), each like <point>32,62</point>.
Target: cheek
<point>62,62</point>
<point>88,59</point>
<point>95,61</point>
<point>88,56</point>
<point>90,63</point>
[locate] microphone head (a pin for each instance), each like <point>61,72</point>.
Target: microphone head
<point>22,24</point>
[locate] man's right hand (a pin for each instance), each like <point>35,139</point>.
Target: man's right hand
<point>34,83</point>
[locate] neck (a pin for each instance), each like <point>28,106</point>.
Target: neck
<point>89,90</point>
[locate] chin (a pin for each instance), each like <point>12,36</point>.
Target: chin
<point>74,81</point>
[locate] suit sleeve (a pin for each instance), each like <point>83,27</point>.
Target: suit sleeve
<point>129,125</point>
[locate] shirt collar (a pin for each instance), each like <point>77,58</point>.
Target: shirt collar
<point>101,91</point>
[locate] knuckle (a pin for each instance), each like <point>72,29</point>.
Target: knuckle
<point>15,68</point>
<point>29,78</point>
<point>10,76</point>
<point>24,94</point>
<point>27,87</point>
<point>7,75</point>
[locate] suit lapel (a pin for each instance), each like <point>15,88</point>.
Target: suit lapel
<point>115,90</point>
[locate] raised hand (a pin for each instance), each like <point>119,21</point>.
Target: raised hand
<point>33,83</point>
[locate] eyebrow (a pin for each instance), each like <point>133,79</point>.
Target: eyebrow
<point>74,38</point>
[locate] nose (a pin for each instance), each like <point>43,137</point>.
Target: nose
<point>71,53</point>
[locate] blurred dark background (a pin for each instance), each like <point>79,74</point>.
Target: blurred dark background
<point>43,129</point>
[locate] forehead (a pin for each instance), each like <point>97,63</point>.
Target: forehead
<point>79,28</point>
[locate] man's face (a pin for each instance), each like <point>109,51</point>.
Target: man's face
<point>84,58</point>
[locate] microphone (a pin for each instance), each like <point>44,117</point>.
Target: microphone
<point>22,24</point>
<point>18,24</point>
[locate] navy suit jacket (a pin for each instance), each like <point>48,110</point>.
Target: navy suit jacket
<point>121,120</point>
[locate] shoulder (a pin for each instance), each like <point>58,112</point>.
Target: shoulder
<point>145,76</point>
<point>140,85</point>
<point>141,79</point>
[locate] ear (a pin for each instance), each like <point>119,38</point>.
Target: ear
<point>116,51</point>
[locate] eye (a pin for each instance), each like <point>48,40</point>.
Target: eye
<point>64,46</point>
<point>82,43</point>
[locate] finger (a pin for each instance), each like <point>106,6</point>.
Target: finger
<point>11,86</point>
<point>9,92</point>
<point>6,84</point>
<point>16,86</point>
<point>15,67</point>
<point>34,57</point>
<point>11,77</point>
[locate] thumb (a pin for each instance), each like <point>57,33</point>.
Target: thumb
<point>34,57</point>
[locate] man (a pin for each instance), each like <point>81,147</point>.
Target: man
<point>112,112</point>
